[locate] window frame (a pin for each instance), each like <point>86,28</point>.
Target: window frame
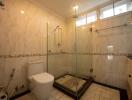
<point>105,9</point>
<point>108,6</point>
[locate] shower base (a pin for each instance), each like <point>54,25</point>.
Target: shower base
<point>72,85</point>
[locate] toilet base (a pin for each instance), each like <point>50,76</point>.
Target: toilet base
<point>42,92</point>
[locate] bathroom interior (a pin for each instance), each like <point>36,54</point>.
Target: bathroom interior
<point>65,49</point>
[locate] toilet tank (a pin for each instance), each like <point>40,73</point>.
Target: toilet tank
<point>36,68</point>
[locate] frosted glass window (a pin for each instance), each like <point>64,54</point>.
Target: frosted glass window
<point>91,17</point>
<point>106,12</point>
<point>120,9</point>
<point>130,6</point>
<point>81,21</point>
<point>121,6</point>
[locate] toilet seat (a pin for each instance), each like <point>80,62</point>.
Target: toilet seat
<point>43,78</point>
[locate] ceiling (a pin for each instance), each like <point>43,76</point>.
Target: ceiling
<point>64,7</point>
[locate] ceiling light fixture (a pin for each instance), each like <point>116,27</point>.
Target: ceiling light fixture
<point>75,7</point>
<point>22,12</point>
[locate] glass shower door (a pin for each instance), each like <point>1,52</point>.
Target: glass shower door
<point>58,61</point>
<point>84,50</point>
<point>61,61</point>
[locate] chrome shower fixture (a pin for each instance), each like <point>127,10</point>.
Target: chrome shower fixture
<point>57,27</point>
<point>58,31</point>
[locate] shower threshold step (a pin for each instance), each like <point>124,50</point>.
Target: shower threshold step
<point>72,85</point>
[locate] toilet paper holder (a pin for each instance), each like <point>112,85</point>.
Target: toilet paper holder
<point>3,94</point>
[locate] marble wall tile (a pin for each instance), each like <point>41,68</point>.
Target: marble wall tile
<point>119,37</point>
<point>84,40</point>
<point>23,32</point>
<point>19,78</point>
<point>70,36</point>
<point>112,72</point>
<point>20,75</point>
<point>84,64</point>
<point>61,64</point>
<point>2,70</point>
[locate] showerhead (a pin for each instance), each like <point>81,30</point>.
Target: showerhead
<point>56,27</point>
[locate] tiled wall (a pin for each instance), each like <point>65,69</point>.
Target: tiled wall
<point>129,72</point>
<point>61,64</point>
<point>23,38</point>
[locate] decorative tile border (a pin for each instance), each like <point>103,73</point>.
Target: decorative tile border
<point>60,53</point>
<point>79,53</point>
<point>21,55</point>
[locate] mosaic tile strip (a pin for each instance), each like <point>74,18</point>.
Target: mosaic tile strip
<point>79,53</point>
<point>21,55</point>
<point>60,53</point>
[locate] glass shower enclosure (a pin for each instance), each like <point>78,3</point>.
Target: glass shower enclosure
<point>96,50</point>
<point>72,67</point>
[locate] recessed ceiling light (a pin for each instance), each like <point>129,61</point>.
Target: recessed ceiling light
<point>22,12</point>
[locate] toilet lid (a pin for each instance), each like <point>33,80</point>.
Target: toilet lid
<point>43,78</point>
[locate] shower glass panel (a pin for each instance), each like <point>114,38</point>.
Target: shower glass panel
<point>97,50</point>
<point>58,61</point>
<point>84,49</point>
<point>62,63</point>
<point>72,66</point>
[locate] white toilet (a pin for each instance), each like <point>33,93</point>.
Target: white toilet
<point>41,83</point>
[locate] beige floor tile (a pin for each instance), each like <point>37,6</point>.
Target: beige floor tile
<point>56,94</point>
<point>65,97</point>
<point>98,92</point>
<point>94,92</point>
<point>27,97</point>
